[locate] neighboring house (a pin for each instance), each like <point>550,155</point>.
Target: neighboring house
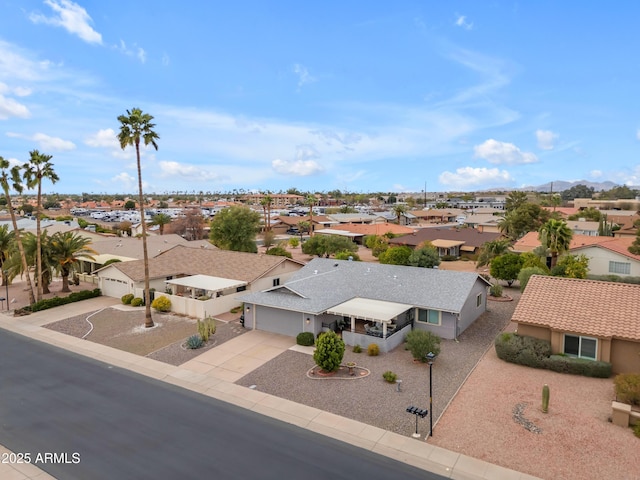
<point>357,231</point>
<point>406,218</point>
<point>284,222</point>
<point>439,215</point>
<point>483,222</point>
<point>356,218</point>
<point>448,241</point>
<point>611,257</point>
<point>626,224</point>
<point>584,227</point>
<point>185,273</point>
<point>584,318</point>
<point>607,255</point>
<point>373,303</point>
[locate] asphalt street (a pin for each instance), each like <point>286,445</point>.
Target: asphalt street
<point>77,418</point>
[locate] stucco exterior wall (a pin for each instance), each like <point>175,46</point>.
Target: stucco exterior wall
<point>599,259</point>
<point>625,356</point>
<point>535,332</point>
<point>446,329</point>
<point>282,272</point>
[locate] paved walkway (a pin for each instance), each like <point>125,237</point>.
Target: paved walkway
<point>213,374</point>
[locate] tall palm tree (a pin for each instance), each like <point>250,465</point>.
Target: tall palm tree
<point>66,250</point>
<point>134,127</point>
<point>266,203</point>
<point>16,184</point>
<point>310,200</point>
<point>36,169</point>
<point>7,244</point>
<point>556,236</point>
<point>31,244</point>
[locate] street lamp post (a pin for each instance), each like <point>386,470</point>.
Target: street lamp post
<point>430,358</point>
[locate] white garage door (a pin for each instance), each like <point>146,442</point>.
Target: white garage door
<point>113,287</point>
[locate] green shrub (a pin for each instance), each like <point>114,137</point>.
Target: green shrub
<point>161,304</point>
<point>206,328</point>
<point>57,301</point>
<point>389,376</point>
<point>373,350</point>
<point>636,430</point>
<point>421,342</point>
<point>495,290</point>
<point>448,258</point>
<point>329,351</point>
<point>126,299</point>
<point>536,353</point>
<point>357,349</point>
<point>306,339</point>
<point>204,298</point>
<point>627,386</point>
<point>137,302</point>
<point>194,342</point>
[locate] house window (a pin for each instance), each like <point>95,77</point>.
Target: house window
<point>276,282</point>
<point>581,347</point>
<point>623,268</point>
<point>432,317</point>
<point>241,289</point>
<point>479,300</point>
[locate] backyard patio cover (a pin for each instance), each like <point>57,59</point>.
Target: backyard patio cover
<point>205,282</point>
<point>446,243</point>
<point>367,309</point>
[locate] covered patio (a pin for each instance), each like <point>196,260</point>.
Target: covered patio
<point>203,285</point>
<point>447,247</point>
<point>373,321</point>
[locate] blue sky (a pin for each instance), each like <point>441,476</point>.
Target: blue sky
<point>358,96</point>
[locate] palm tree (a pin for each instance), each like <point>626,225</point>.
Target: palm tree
<point>31,244</point>
<point>16,184</point>
<point>161,220</point>
<point>66,249</point>
<point>310,200</point>
<point>490,250</point>
<point>266,203</point>
<point>556,236</point>
<point>399,210</point>
<point>7,244</point>
<point>136,126</point>
<point>35,170</point>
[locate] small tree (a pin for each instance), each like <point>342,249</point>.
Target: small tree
<point>426,257</point>
<point>421,342</point>
<point>506,267</point>
<point>396,255</point>
<point>329,351</point>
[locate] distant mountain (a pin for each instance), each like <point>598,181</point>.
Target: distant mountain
<point>559,186</point>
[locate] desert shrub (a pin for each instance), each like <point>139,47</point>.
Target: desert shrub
<point>329,351</point>
<point>448,258</point>
<point>206,328</point>
<point>636,430</point>
<point>137,302</point>
<point>577,366</point>
<point>47,303</point>
<point>279,252</point>
<point>627,387</point>
<point>194,342</point>
<point>204,298</point>
<point>294,242</point>
<point>306,339</point>
<point>161,304</point>
<point>389,376</point>
<point>536,353</point>
<point>495,290</point>
<point>373,350</point>
<point>357,349</point>
<point>421,342</point>
<point>126,299</point>
<point>526,273</point>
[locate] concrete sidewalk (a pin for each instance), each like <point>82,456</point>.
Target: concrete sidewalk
<point>213,374</point>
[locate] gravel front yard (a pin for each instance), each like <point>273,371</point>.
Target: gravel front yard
<point>371,399</point>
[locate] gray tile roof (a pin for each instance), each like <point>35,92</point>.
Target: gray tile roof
<point>325,283</point>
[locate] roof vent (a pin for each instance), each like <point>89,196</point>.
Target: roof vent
<point>315,272</point>
<point>335,264</point>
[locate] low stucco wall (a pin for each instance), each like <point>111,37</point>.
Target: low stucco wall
<point>385,345</point>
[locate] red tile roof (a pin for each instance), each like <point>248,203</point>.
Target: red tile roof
<point>374,228</point>
<point>584,307</point>
<point>531,241</point>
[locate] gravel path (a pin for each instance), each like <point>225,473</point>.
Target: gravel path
<point>371,399</point>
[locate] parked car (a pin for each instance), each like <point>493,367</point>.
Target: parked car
<point>293,231</point>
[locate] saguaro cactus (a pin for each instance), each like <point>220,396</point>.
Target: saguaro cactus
<point>545,398</point>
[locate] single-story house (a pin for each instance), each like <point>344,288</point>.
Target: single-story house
<point>198,281</point>
<point>584,318</point>
<point>371,303</point>
<point>448,241</point>
<point>607,255</point>
<point>357,231</point>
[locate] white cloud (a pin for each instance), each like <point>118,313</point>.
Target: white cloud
<point>546,139</point>
<point>596,173</point>
<point>165,60</point>
<point>103,138</point>
<point>45,141</point>
<point>72,17</point>
<point>638,134</point>
<point>172,169</point>
<point>461,21</point>
<point>11,108</point>
<point>300,168</point>
<point>503,153</point>
<point>304,77</point>
<point>471,177</point>
<point>133,51</point>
